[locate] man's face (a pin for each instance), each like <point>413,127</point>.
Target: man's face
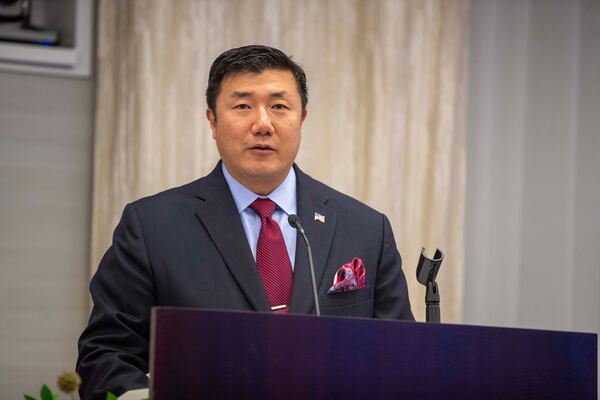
<point>257,127</point>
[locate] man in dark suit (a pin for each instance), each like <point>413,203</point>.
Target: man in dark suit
<point>207,244</point>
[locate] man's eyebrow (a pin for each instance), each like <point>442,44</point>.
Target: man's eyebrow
<point>241,95</point>
<point>279,95</point>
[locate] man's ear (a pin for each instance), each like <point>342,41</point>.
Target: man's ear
<point>304,114</point>
<point>212,120</point>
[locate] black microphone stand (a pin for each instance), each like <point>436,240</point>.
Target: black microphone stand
<point>427,270</point>
<point>294,222</point>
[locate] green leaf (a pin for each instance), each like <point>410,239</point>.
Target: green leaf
<point>28,397</point>
<point>111,396</point>
<point>46,393</point>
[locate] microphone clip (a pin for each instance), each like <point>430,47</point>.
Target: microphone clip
<point>427,270</point>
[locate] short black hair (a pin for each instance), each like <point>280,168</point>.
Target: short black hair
<point>252,59</point>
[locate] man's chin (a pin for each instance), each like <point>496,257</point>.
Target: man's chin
<point>267,174</point>
<point>266,170</point>
<point>264,176</point>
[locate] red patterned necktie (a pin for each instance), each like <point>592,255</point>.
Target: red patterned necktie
<point>272,259</point>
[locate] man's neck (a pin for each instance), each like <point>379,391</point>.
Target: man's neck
<point>262,187</point>
<point>283,195</point>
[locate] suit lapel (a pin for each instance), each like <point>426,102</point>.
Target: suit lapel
<point>218,213</point>
<point>320,234</point>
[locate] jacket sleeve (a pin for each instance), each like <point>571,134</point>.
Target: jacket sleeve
<point>113,349</point>
<point>391,293</point>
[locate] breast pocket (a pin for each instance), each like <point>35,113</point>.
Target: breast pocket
<point>355,303</point>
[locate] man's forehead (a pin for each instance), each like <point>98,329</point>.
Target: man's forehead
<point>268,77</point>
<point>266,71</point>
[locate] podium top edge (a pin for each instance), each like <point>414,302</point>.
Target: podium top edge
<point>170,310</point>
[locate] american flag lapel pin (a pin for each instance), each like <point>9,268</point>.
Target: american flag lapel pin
<point>319,217</point>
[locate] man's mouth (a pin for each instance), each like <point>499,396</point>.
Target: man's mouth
<point>262,147</point>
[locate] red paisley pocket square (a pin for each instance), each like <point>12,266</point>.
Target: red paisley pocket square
<point>351,276</point>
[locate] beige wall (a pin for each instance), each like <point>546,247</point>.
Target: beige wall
<point>45,191</point>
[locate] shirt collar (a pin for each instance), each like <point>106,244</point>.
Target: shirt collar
<point>284,195</point>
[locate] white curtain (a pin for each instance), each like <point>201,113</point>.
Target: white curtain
<point>386,123</point>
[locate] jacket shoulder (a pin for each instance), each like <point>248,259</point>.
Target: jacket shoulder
<point>179,192</point>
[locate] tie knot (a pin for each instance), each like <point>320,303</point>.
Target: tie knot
<point>263,207</point>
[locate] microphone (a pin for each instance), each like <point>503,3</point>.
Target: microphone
<point>294,222</point>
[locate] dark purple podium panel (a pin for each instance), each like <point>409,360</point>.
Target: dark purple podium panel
<point>199,354</point>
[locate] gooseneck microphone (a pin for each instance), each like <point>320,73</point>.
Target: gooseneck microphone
<point>294,222</point>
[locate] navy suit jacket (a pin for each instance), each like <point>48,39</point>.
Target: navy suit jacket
<point>187,247</point>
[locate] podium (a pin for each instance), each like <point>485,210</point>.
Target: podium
<point>204,354</point>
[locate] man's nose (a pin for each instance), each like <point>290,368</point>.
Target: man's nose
<point>262,124</point>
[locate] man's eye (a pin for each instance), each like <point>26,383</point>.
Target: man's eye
<point>280,107</point>
<point>242,107</point>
